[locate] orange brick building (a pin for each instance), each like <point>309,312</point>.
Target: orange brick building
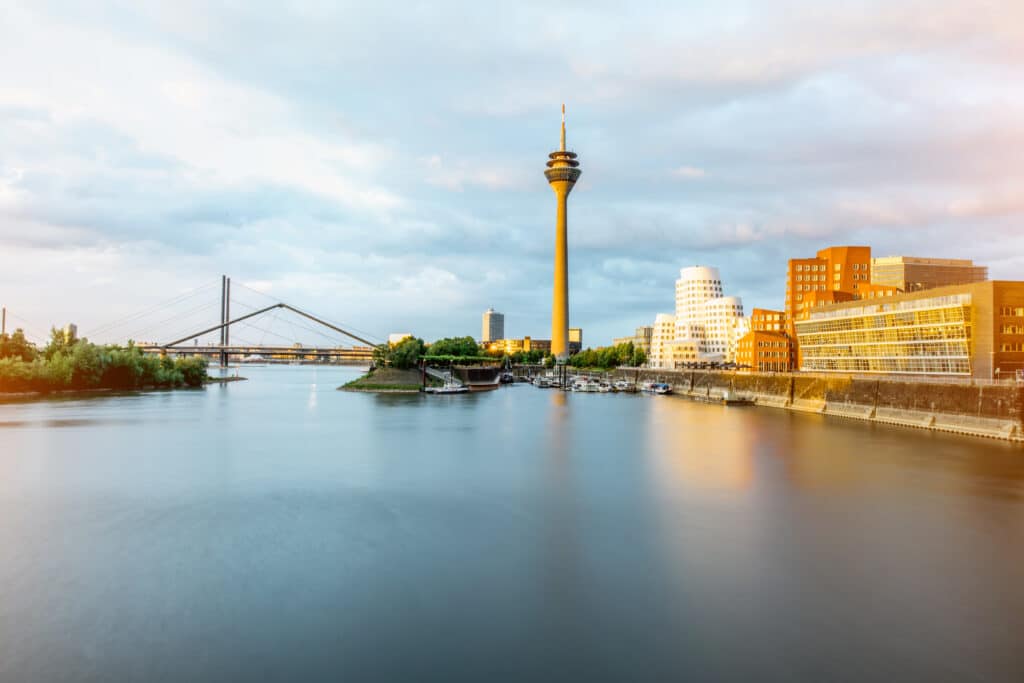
<point>764,351</point>
<point>834,275</point>
<point>766,320</point>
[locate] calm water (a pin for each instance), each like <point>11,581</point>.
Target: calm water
<point>277,529</point>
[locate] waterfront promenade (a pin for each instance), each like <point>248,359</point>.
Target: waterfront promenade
<point>972,407</point>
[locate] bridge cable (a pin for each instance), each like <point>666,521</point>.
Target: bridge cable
<point>340,325</point>
<point>195,291</point>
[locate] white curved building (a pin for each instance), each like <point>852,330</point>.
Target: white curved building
<point>708,324</point>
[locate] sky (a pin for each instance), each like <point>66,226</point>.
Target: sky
<point>382,165</point>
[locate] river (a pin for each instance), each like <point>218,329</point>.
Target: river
<point>278,529</point>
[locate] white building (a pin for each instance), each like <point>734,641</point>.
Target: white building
<point>707,324</point>
<point>494,326</point>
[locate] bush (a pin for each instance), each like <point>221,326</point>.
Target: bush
<point>78,364</point>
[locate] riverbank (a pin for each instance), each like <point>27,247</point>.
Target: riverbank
<point>63,394</point>
<point>985,410</point>
<point>387,380</point>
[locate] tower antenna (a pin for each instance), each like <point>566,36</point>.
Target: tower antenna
<point>563,127</point>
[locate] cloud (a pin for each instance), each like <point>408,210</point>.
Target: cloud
<point>386,170</point>
<point>688,172</point>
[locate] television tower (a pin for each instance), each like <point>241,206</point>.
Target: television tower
<point>562,173</point>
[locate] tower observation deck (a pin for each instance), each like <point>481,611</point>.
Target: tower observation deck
<point>562,172</point>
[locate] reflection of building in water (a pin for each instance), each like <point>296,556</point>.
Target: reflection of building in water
<point>701,447</point>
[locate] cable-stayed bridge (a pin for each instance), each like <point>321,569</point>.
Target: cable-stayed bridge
<point>239,326</point>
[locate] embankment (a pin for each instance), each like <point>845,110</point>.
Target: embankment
<point>977,409</point>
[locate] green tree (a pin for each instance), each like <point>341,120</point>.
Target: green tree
<point>15,345</point>
<point>455,346</point>
<point>406,353</point>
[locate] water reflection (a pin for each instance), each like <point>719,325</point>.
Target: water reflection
<point>281,529</point>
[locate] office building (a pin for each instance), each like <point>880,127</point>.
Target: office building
<point>834,275</point>
<point>914,274</point>
<point>767,320</point>
<point>764,351</point>
<point>493,326</point>
<point>704,320</point>
<point>973,330</point>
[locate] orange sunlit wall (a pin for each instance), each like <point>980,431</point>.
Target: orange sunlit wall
<point>834,275</point>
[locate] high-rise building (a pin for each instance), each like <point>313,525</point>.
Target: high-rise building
<point>493,327</point>
<point>575,340</point>
<point>913,274</point>
<point>562,172</point>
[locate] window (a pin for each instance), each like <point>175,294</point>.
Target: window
<point>855,267</point>
<point>837,267</point>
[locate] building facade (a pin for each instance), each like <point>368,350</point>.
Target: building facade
<point>834,275</point>
<point>493,326</point>
<point>704,320</point>
<point>974,330</point>
<point>767,320</point>
<point>764,351</point>
<point>914,274</point>
<point>641,339</point>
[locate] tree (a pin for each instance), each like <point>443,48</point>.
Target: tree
<point>15,345</point>
<point>406,353</point>
<point>455,346</point>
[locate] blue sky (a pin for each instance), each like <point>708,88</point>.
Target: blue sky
<point>384,168</point>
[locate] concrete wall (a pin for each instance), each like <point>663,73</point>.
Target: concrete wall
<point>981,410</point>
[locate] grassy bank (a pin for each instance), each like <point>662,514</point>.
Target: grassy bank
<point>387,380</point>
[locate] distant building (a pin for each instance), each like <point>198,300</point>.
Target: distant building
<point>575,340</point>
<point>641,339</point>
<point>510,346</point>
<point>396,337</point>
<point>493,327</point>
<point>913,274</point>
<point>972,330</point>
<point>70,333</point>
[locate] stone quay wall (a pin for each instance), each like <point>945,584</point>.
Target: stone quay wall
<point>991,410</point>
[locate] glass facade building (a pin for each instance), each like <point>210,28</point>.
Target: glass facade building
<point>927,336</point>
<point>970,330</point>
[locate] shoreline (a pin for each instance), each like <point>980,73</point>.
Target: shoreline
<point>14,396</point>
<point>904,402</point>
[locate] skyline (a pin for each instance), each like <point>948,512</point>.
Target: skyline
<point>399,190</point>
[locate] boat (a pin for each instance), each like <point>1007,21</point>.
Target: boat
<point>507,377</point>
<point>623,385</point>
<point>656,388</point>
<point>449,387</point>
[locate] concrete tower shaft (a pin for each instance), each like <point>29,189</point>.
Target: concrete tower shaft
<point>562,172</point>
